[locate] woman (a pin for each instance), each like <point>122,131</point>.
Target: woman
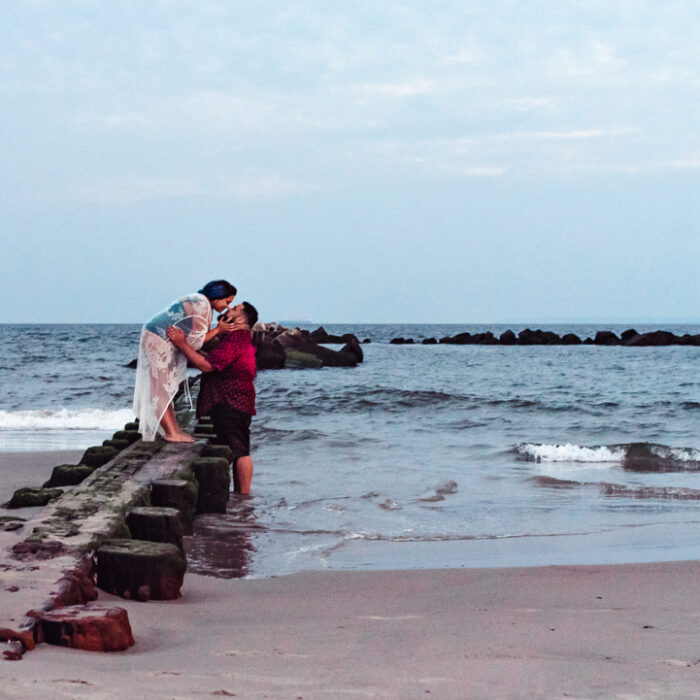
<point>162,367</point>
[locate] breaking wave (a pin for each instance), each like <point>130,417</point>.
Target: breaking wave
<point>636,456</point>
<point>532,452</point>
<point>65,419</point>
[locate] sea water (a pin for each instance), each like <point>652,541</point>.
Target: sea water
<point>422,456</point>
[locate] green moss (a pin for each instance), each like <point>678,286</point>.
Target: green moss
<point>130,435</point>
<point>295,359</point>
<point>32,497</point>
<point>192,488</point>
<point>116,444</point>
<point>68,475</point>
<point>99,455</point>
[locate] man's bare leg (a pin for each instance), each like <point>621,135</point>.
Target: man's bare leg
<point>244,471</point>
<point>172,430</point>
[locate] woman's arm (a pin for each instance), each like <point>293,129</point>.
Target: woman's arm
<point>179,340</point>
<point>221,327</point>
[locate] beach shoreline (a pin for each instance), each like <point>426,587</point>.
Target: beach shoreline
<point>609,631</point>
<point>582,631</point>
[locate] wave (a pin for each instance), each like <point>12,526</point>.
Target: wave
<point>65,419</point>
<point>636,456</point>
<point>532,452</point>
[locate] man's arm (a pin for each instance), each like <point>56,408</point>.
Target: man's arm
<point>179,340</point>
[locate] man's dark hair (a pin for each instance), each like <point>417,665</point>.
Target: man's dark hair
<point>218,289</point>
<point>251,313</point>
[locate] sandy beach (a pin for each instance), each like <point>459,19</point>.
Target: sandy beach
<point>611,631</point>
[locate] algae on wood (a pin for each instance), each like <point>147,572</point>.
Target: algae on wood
<point>140,570</point>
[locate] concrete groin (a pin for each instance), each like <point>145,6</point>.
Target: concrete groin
<point>82,539</point>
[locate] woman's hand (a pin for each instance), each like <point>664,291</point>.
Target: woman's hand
<point>177,337</point>
<point>224,327</point>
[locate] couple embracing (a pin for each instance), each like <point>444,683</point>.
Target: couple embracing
<point>173,338</point>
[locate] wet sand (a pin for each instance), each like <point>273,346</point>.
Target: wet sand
<point>586,632</point>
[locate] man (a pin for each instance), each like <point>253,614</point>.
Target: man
<point>227,392</point>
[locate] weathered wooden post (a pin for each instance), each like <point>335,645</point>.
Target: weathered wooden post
<point>156,525</point>
<point>214,479</point>
<point>140,570</point>
<point>179,494</point>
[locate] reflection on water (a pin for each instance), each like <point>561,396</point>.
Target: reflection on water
<point>220,545</point>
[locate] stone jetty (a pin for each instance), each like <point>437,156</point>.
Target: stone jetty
<point>629,338</point>
<point>114,522</point>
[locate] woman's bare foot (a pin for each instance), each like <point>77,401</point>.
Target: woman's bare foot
<point>179,437</point>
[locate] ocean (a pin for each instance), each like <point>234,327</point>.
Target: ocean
<point>424,456</point>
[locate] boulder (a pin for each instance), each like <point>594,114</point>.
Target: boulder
<point>606,338</point>
<point>530,337</point>
<point>268,353</point>
<point>429,341</point>
<point>507,338</point>
<point>459,339</point>
<point>627,335</point>
<point>570,339</point>
<point>653,339</point>
<point>295,359</point>
<point>353,347</point>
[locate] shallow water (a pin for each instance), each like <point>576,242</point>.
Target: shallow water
<point>422,456</point>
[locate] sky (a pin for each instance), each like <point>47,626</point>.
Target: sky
<point>351,161</point>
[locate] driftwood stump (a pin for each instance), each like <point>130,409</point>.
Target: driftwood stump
<point>214,479</point>
<point>156,525</point>
<point>140,570</point>
<point>179,494</point>
<point>89,627</point>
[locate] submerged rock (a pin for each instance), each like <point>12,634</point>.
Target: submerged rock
<point>274,345</point>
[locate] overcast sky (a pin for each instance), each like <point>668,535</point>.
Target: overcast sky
<point>348,161</point>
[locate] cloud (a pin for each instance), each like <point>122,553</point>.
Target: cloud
<point>129,190</point>
<point>573,134</point>
<point>265,187</point>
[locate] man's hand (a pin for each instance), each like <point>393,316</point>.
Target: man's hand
<point>177,337</point>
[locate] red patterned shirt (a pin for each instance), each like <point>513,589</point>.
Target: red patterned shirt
<point>231,382</point>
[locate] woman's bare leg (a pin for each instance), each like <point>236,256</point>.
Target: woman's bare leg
<point>172,430</point>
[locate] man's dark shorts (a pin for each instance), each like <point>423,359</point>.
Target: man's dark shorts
<point>232,428</point>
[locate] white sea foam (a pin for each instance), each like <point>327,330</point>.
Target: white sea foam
<point>571,453</point>
<point>65,419</point>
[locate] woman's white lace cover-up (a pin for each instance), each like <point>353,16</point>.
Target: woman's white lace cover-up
<point>161,366</point>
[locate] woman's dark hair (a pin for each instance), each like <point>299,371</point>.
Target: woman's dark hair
<point>251,313</point>
<point>218,289</point>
